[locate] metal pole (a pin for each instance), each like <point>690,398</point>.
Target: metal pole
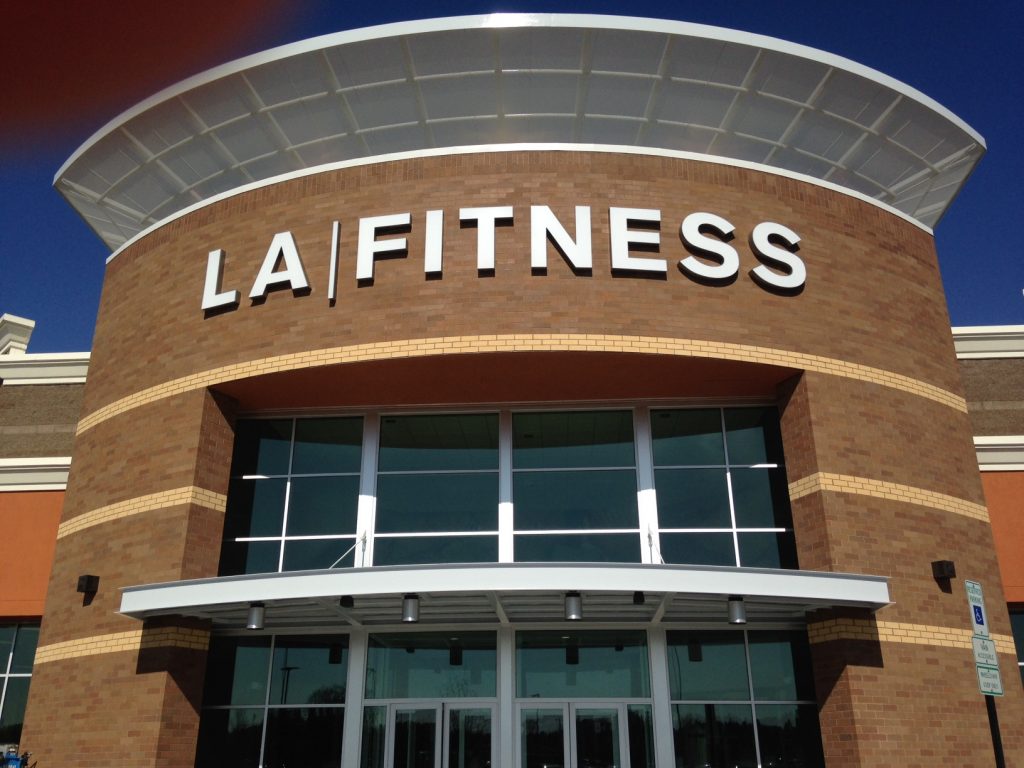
<point>993,724</point>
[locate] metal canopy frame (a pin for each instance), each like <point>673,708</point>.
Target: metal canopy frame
<point>503,79</point>
<point>505,594</point>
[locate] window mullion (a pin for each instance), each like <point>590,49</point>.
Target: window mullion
<point>506,549</point>
<point>647,500</point>
<point>367,507</point>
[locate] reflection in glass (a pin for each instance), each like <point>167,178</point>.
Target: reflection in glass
<point>469,738</point>
<point>305,736</point>
<point>575,499</point>
<point>780,665</point>
<point>327,445</point>
<point>13,714</point>
<point>415,738</point>
<point>641,736</point>
<point>236,671</point>
<point>753,435</point>
<point>238,557</point>
<point>590,664</point>
<point>310,554</point>
<point>255,508</point>
<point>698,548</point>
<point>321,506</point>
<point>693,498</point>
<point>767,550</point>
<point>24,650</point>
<point>229,738</point>
<point>262,447</point>
<point>439,442</point>
<point>420,665</point>
<point>687,437</point>
<point>373,745</point>
<point>789,736</point>
<point>542,738</point>
<point>717,735</point>
<point>583,548</point>
<point>309,670</point>
<point>572,439</point>
<point>445,502</point>
<point>761,498</point>
<point>597,738</point>
<point>435,549</point>
<point>707,665</point>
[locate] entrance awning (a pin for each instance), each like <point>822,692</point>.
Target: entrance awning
<point>504,593</point>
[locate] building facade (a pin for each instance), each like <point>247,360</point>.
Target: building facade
<point>524,390</point>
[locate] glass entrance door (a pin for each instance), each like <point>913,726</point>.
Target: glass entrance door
<point>428,735</point>
<point>573,735</point>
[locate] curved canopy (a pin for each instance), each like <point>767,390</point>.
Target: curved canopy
<point>520,79</point>
<point>508,593</point>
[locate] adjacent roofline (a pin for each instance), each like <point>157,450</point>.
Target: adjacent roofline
<point>46,368</point>
<point>1000,453</point>
<point>44,473</point>
<point>974,342</point>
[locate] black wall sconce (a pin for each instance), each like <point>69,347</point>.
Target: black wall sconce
<point>88,584</point>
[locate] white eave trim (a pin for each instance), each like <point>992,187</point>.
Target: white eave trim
<point>1000,453</point>
<point>975,342</point>
<point>53,368</point>
<point>44,473</point>
<point>820,589</point>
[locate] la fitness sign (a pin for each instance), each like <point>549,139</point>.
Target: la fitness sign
<point>706,237</point>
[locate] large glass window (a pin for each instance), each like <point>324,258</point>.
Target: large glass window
<point>294,495</point>
<point>1017,627</point>
<point>430,700</point>
<point>743,699</point>
<point>534,486</point>
<point>721,488</point>
<point>584,698</point>
<point>573,485</point>
<point>17,653</point>
<point>273,701</point>
<point>437,489</point>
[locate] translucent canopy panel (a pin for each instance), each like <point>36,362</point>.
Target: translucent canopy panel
<point>518,79</point>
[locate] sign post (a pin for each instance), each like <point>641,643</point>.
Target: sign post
<point>986,664</point>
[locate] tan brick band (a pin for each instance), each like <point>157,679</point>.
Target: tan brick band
<point>899,632</point>
<point>187,495</point>
<point>541,342</point>
<point>117,642</point>
<point>880,489</point>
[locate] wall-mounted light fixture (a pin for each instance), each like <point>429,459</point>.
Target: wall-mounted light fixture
<point>639,598</point>
<point>347,601</point>
<point>256,615</point>
<point>88,584</point>
<point>411,608</point>
<point>737,610</point>
<point>943,570</point>
<point>573,606</point>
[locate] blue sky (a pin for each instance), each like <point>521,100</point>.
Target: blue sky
<point>961,54</point>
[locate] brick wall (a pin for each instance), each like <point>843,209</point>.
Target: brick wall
<point>876,434</point>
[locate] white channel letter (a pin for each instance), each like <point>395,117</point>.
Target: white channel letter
<point>282,248</point>
<point>485,219</point>
<point>369,246</point>
<point>691,233</point>
<point>543,222</point>
<point>433,242</point>
<point>211,298</point>
<point>622,236</point>
<point>773,255</point>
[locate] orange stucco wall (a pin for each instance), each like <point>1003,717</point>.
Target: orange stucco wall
<point>29,523</point>
<point>1004,492</point>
